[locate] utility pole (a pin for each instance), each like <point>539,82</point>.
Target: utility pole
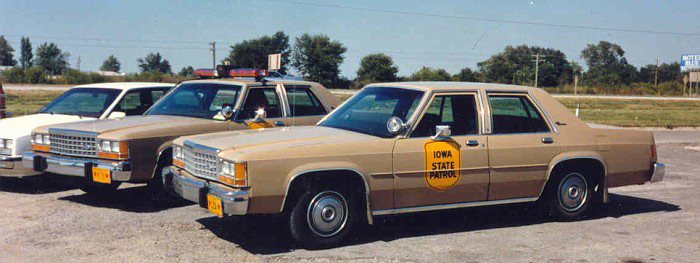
<point>78,63</point>
<point>537,66</point>
<point>656,75</point>
<point>213,54</point>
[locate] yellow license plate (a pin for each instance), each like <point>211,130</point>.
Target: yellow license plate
<point>214,205</point>
<point>101,175</point>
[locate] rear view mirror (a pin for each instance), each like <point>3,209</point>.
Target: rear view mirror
<point>442,132</point>
<point>226,112</point>
<point>116,115</point>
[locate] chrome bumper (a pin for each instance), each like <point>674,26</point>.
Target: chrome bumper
<point>234,201</point>
<point>12,167</point>
<point>73,166</point>
<point>659,172</point>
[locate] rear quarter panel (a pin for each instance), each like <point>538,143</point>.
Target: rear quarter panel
<point>627,155</point>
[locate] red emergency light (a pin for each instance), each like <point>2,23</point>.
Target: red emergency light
<point>206,73</point>
<point>247,73</point>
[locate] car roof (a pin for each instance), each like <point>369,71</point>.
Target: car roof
<point>452,85</point>
<point>126,85</point>
<point>248,81</point>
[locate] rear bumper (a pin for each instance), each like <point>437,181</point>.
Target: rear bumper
<point>73,166</point>
<point>659,171</point>
<point>12,167</point>
<point>234,201</point>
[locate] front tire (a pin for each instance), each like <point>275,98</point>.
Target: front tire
<point>570,196</point>
<point>323,218</point>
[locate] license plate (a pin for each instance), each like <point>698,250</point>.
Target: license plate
<point>214,205</point>
<point>100,175</point>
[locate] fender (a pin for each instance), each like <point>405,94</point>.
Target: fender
<point>575,155</point>
<point>161,149</point>
<point>328,166</point>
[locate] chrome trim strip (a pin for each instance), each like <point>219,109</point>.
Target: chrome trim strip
<point>121,171</point>
<point>9,158</point>
<point>201,147</point>
<point>60,130</point>
<point>234,202</point>
<point>370,220</point>
<point>451,206</point>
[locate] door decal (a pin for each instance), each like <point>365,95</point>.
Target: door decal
<point>442,164</point>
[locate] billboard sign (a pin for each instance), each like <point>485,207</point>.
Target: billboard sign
<point>690,62</point>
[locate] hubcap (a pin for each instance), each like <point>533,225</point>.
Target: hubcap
<point>573,191</point>
<point>327,213</point>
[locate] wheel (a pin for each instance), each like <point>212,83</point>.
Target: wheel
<point>98,189</point>
<point>323,218</point>
<point>155,186</point>
<point>570,196</point>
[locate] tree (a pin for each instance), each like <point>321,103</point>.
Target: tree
<point>666,72</point>
<point>607,64</point>
<point>154,63</point>
<point>26,53</point>
<point>515,65</point>
<point>430,74</point>
<point>111,64</point>
<point>377,68</point>
<point>186,71</point>
<point>51,59</point>
<point>6,50</point>
<point>317,57</point>
<point>253,53</point>
<point>466,74</point>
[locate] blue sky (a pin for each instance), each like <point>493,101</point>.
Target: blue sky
<point>179,30</point>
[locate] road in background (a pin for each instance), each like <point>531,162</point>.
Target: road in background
<point>50,220</point>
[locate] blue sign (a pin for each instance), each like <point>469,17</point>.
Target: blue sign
<point>690,62</point>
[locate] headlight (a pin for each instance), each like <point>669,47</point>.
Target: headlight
<point>2,143</point>
<point>178,156</point>
<point>38,139</point>
<point>40,142</point>
<point>113,149</point>
<point>233,173</point>
<point>9,143</point>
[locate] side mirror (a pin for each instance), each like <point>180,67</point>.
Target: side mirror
<point>226,112</point>
<point>395,125</point>
<point>116,115</point>
<point>442,132</point>
<point>260,115</point>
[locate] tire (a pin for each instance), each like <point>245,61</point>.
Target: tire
<point>155,186</point>
<point>570,195</point>
<point>323,218</point>
<point>98,189</point>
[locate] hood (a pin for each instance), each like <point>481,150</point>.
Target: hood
<point>127,127</point>
<point>23,125</point>
<point>278,138</point>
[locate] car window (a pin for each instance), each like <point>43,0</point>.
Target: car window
<point>457,111</point>
<point>261,98</point>
<point>303,102</point>
<point>198,100</point>
<point>91,102</point>
<point>515,114</point>
<point>131,104</point>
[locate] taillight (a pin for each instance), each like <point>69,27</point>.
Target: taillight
<point>653,152</point>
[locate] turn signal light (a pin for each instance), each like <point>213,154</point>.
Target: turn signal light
<point>241,175</point>
<point>43,148</point>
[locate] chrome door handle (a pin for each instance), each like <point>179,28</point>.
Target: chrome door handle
<point>547,140</point>
<point>279,123</point>
<point>472,143</point>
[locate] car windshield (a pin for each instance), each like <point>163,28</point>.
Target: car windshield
<point>89,102</point>
<point>368,111</point>
<point>197,100</point>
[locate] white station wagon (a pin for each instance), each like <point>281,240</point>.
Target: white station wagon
<point>81,103</point>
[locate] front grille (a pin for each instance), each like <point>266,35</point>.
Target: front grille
<point>73,143</point>
<point>201,161</point>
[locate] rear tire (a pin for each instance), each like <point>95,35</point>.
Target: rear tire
<point>323,218</point>
<point>570,195</point>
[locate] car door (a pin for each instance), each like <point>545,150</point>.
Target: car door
<point>522,142</point>
<point>267,98</point>
<point>455,170</point>
<point>305,107</point>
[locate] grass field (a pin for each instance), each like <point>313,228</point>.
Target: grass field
<point>629,113</point>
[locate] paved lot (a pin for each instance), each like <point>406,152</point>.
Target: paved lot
<point>49,220</point>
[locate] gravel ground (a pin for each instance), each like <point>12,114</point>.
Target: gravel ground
<point>48,219</point>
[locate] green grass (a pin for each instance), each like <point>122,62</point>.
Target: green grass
<point>28,102</point>
<point>629,113</point>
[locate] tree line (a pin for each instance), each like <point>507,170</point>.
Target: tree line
<point>318,58</point>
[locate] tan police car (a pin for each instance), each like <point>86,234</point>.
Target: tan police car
<point>408,147</point>
<point>134,149</point>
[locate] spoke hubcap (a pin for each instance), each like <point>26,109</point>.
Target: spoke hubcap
<point>573,191</point>
<point>327,213</point>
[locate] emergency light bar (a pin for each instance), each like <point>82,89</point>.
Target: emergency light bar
<point>227,71</point>
<point>206,73</point>
<point>247,73</point>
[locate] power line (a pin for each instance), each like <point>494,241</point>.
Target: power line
<point>503,21</point>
